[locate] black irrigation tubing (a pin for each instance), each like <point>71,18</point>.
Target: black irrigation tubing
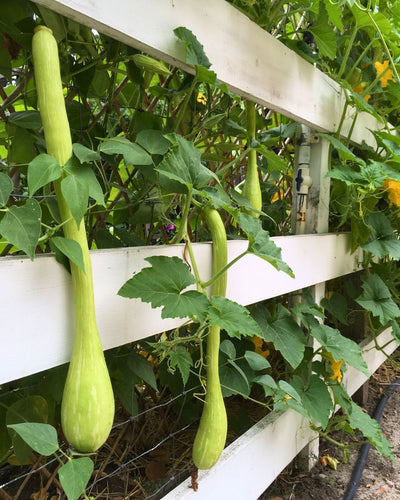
<point>362,458</point>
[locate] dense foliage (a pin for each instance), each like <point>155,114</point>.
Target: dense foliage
<point>153,146</point>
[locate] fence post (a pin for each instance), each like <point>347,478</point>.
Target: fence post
<point>310,214</point>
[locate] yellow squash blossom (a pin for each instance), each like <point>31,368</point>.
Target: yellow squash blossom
<point>201,98</point>
<point>393,188</point>
<point>335,366</point>
<point>260,347</point>
<point>278,195</point>
<point>360,90</point>
<point>387,74</point>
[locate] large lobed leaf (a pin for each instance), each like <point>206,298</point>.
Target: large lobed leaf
<point>181,170</point>
<point>233,318</point>
<point>283,332</point>
<point>162,285</point>
<point>377,299</point>
<point>340,347</point>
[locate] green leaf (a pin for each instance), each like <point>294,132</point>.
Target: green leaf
<point>41,171</point>
<point>42,438</point>
<point>274,161</point>
<point>6,187</point>
<point>153,141</point>
<point>126,393</point>
<point>232,317</point>
<point>26,119</point>
<point>336,305</point>
<point>315,398</point>
<point>395,331</point>
<point>284,333</point>
<point>340,347</point>
<point>84,154</point>
<point>86,175</point>
<point>141,367</point>
<point>162,285</point>
<point>215,195</point>
<point>54,21</point>
<point>346,174</point>
<point>23,146</point>
<point>194,50</point>
<point>334,13</point>
<point>71,249</point>
<point>371,429</point>
<point>343,151</point>
<point>260,243</point>
<point>76,194</point>
<point>377,299</point>
<point>74,476</point>
<point>27,409</point>
<point>133,154</point>
<point>21,226</point>
<point>324,35</point>
<point>307,312</point>
<point>267,381</point>
<point>289,390</point>
<point>373,174</point>
<point>181,170</point>
<point>367,19</point>
<point>233,379</point>
<point>180,358</point>
<point>205,75</point>
<point>256,361</point>
<point>228,348</point>
<point>382,242</point>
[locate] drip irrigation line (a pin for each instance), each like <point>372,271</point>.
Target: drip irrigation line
<point>362,458</point>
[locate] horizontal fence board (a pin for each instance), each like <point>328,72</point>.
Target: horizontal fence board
<point>249,60</point>
<point>251,463</point>
<point>42,291</point>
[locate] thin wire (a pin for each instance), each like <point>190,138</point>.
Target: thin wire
<point>161,405</point>
<point>30,473</point>
<point>134,459</point>
<point>131,419</point>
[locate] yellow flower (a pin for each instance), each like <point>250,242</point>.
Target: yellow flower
<point>335,366</point>
<point>393,188</point>
<point>260,347</point>
<point>387,74</point>
<point>360,90</point>
<point>201,98</point>
<point>278,195</point>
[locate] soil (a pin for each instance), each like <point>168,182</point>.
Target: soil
<point>380,478</point>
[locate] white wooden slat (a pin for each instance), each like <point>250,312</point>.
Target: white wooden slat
<point>251,463</point>
<point>249,60</point>
<point>42,290</point>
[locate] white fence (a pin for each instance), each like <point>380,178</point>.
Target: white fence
<point>256,66</point>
